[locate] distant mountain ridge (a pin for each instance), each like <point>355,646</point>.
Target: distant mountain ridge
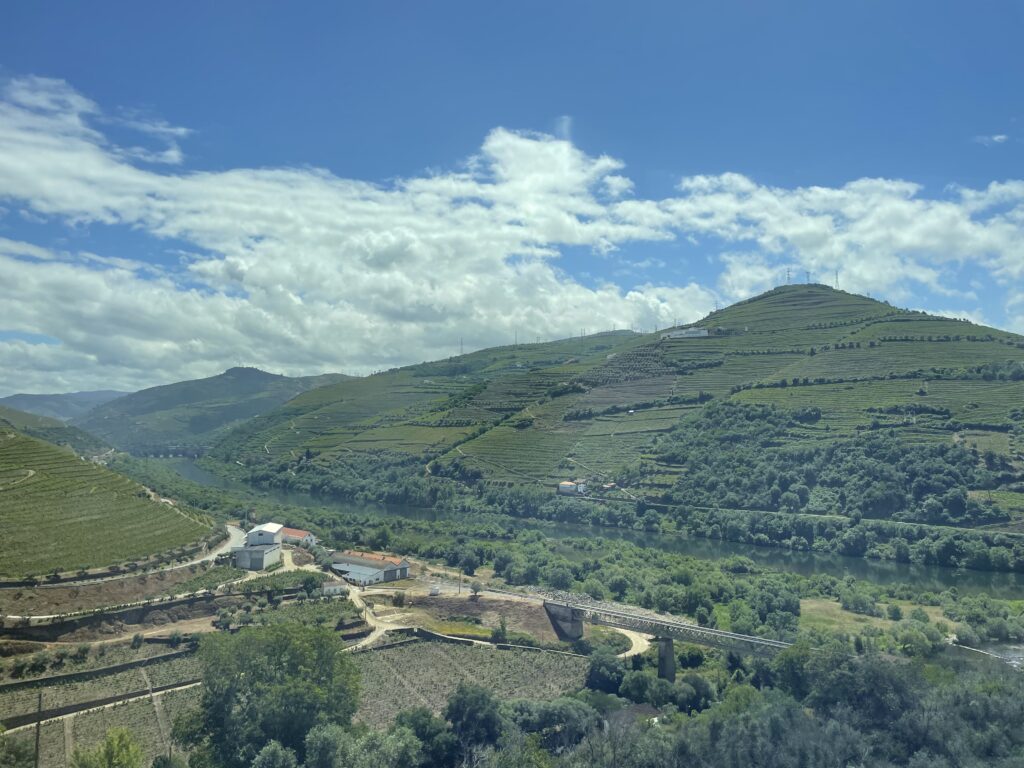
<point>52,430</point>
<point>188,416</point>
<point>64,407</point>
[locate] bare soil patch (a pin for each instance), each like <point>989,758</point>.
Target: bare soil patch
<point>520,615</point>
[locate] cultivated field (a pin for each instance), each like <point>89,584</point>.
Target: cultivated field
<point>426,673</point>
<point>63,513</point>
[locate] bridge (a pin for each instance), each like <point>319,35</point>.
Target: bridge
<point>568,618</point>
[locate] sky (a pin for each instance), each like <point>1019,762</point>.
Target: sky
<point>312,187</point>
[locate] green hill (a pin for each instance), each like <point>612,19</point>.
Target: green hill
<point>538,412</point>
<point>63,407</point>
<point>63,513</point>
<point>53,431</point>
<point>188,416</point>
<point>943,397</point>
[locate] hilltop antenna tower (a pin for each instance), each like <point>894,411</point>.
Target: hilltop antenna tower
<point>837,279</point>
<point>460,345</point>
<point>787,275</point>
<point>807,275</point>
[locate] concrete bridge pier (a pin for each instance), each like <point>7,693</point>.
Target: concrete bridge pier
<point>567,621</point>
<point>666,659</point>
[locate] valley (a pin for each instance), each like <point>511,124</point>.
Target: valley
<point>820,476</point>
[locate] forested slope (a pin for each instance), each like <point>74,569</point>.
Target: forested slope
<point>188,416</point>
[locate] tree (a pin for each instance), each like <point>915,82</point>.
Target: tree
<point>14,754</point>
<point>273,755</point>
<point>500,633</point>
<point>119,749</point>
<point>269,683</point>
<point>439,744</point>
<point>169,761</point>
<point>605,672</point>
<point>473,714</point>
<point>331,746</point>
<point>476,587</point>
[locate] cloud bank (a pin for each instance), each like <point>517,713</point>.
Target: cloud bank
<point>300,271</point>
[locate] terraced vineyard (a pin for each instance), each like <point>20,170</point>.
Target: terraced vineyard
<point>592,407</point>
<point>63,513</point>
<point>427,673</point>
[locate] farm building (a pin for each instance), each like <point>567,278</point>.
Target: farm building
<point>256,557</point>
<point>364,568</point>
<point>268,533</point>
<point>297,536</point>
<point>262,548</point>
<point>567,488</point>
<point>685,333</point>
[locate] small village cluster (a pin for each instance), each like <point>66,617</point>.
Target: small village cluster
<point>262,550</point>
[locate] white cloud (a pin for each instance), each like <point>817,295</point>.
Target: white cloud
<point>989,141</point>
<point>298,270</point>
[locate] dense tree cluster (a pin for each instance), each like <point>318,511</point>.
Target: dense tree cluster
<point>743,457</point>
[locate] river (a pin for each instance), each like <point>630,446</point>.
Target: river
<point>927,577</point>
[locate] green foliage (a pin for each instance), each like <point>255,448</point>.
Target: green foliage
<point>473,713</point>
<point>14,754</point>
<point>119,749</point>
<point>273,755</point>
<point>270,683</point>
<point>738,456</point>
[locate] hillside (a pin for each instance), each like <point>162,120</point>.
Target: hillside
<point>596,407</point>
<point>63,513</point>
<point>53,431</point>
<point>63,407</point>
<point>188,416</point>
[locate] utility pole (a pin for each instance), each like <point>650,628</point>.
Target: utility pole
<point>460,345</point>
<point>807,274</point>
<point>39,723</point>
<point>837,279</point>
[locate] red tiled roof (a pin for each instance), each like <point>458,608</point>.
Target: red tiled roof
<point>297,533</point>
<point>373,556</point>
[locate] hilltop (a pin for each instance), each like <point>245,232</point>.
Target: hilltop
<point>188,416</point>
<point>63,513</point>
<point>63,407</point>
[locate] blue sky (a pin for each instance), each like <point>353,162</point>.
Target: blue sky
<point>327,186</point>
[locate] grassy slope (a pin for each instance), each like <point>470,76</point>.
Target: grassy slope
<point>506,424</point>
<point>190,415</point>
<point>59,511</point>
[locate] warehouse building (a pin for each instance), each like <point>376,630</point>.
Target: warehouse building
<point>364,568</point>
<point>262,548</point>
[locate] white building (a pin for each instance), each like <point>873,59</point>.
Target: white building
<point>268,533</point>
<point>685,333</point>
<point>334,588</point>
<point>297,536</point>
<point>257,557</point>
<point>365,568</point>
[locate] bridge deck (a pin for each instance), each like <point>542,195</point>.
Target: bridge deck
<point>642,622</point>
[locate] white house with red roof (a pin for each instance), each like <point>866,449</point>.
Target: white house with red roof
<point>297,536</point>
